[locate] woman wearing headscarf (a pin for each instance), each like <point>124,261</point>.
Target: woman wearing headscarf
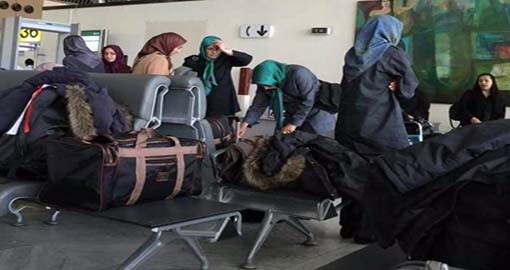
<point>482,103</point>
<point>214,66</point>
<point>155,56</point>
<point>79,56</point>
<point>370,117</point>
<point>290,90</point>
<point>114,60</point>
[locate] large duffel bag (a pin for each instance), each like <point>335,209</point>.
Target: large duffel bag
<point>130,168</point>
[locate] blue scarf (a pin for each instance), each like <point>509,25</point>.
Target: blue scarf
<point>376,36</point>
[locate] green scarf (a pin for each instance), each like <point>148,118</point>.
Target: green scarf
<point>208,76</point>
<point>272,73</point>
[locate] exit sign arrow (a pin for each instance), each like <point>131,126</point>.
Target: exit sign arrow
<point>262,32</point>
<point>256,31</point>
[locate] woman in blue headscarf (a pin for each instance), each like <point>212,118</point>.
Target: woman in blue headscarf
<point>290,91</point>
<point>370,118</point>
<point>214,66</point>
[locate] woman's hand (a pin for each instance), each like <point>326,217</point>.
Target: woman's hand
<point>289,128</point>
<point>393,86</point>
<point>242,129</point>
<point>221,45</point>
<point>475,120</point>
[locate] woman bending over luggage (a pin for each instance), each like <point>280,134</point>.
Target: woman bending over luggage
<point>155,56</point>
<point>114,60</point>
<point>370,117</point>
<point>290,90</point>
<point>482,103</point>
<point>79,56</point>
<point>214,66</point>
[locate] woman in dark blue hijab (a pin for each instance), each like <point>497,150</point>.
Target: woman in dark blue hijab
<point>370,118</point>
<point>79,56</point>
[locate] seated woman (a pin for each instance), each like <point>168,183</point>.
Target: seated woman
<point>482,103</point>
<point>155,56</point>
<point>290,90</point>
<point>214,65</point>
<point>79,56</point>
<point>114,60</point>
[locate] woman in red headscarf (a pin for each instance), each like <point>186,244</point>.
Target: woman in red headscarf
<point>114,60</point>
<point>155,56</point>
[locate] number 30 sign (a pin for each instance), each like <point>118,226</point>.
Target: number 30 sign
<point>30,35</point>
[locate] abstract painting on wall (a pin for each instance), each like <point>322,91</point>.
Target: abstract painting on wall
<point>450,42</point>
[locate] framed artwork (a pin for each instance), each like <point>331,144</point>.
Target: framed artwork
<point>450,42</point>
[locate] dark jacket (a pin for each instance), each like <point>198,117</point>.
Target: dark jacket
<point>370,118</point>
<point>474,104</point>
<point>223,98</point>
<point>300,90</point>
<point>412,195</point>
<point>107,118</point>
<point>77,63</point>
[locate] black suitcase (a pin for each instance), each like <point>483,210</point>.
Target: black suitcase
<point>130,168</point>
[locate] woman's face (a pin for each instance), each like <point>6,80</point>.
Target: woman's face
<point>213,51</point>
<point>485,82</point>
<point>109,55</point>
<point>176,51</point>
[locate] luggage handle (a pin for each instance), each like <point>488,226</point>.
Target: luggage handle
<point>141,141</point>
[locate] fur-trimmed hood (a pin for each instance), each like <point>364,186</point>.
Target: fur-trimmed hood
<point>81,115</point>
<point>254,175</point>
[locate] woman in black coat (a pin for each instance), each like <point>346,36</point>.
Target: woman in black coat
<point>214,66</point>
<point>482,103</point>
<point>370,118</point>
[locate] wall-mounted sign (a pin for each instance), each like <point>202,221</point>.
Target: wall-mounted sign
<point>256,31</point>
<point>95,39</point>
<point>27,35</point>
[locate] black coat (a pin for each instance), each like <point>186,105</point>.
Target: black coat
<point>370,118</point>
<point>418,196</point>
<point>223,98</point>
<point>474,104</point>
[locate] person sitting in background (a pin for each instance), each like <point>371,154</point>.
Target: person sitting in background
<point>114,60</point>
<point>155,56</point>
<point>214,66</point>
<point>482,103</point>
<point>79,56</point>
<point>291,91</point>
<point>29,64</point>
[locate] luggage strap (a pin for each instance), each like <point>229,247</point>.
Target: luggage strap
<point>141,153</point>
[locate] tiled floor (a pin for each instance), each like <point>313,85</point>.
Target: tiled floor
<point>82,242</point>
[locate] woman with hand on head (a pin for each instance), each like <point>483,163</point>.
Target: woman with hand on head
<point>482,103</point>
<point>155,56</point>
<point>114,60</point>
<point>214,66</point>
<point>291,91</point>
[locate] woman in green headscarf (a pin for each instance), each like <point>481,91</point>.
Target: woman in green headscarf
<point>290,91</point>
<point>214,65</point>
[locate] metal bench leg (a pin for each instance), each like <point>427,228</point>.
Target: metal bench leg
<point>300,227</point>
<point>16,211</point>
<point>143,252</point>
<point>53,217</point>
<point>197,250</point>
<point>270,219</point>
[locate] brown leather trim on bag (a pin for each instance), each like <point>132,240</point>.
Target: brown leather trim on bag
<point>141,141</point>
<point>181,167</point>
